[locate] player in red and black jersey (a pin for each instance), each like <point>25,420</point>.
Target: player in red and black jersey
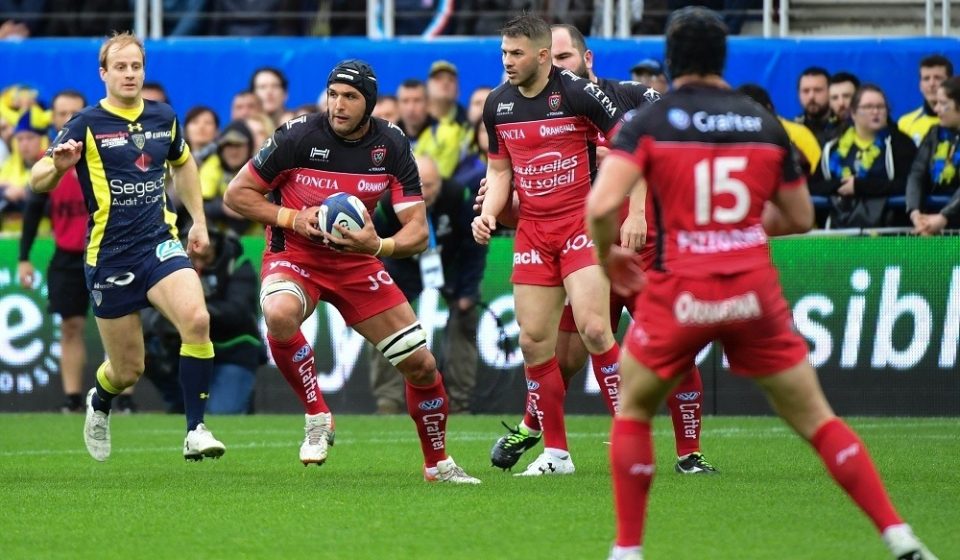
<point>723,178</point>
<point>569,51</point>
<point>306,160</point>
<point>541,125</point>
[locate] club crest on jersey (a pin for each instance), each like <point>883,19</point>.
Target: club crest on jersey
<point>377,155</point>
<point>554,101</point>
<point>139,140</point>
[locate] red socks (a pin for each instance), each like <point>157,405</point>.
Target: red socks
<point>632,463</point>
<point>294,358</point>
<point>850,465</point>
<point>428,407</point>
<point>545,395</point>
<point>686,411</point>
<point>606,369</point>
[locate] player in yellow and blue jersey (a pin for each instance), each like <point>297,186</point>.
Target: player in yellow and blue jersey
<point>133,258</point>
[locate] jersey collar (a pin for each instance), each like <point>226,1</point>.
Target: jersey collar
<point>131,114</point>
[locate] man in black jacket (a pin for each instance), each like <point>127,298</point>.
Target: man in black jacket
<point>454,264</point>
<point>230,288</point>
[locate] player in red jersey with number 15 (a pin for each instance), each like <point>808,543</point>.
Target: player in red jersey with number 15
<point>723,177</point>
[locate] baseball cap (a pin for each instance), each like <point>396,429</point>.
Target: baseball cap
<point>442,66</point>
<point>648,65</point>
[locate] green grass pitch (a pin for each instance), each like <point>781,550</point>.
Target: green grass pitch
<point>772,500</point>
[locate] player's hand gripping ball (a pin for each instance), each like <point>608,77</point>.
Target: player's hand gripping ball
<point>341,209</point>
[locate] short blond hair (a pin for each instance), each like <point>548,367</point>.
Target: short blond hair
<point>118,41</point>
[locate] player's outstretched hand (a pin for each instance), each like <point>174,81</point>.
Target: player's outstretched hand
<point>306,224</point>
<point>625,269</point>
<point>197,241</point>
<point>483,227</point>
<point>365,241</point>
<point>67,154</point>
<point>633,232</point>
<point>25,273</point>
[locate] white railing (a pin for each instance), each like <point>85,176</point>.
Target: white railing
<point>615,18</point>
<point>929,17</point>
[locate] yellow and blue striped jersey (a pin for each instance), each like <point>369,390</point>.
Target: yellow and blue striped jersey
<point>121,172</point>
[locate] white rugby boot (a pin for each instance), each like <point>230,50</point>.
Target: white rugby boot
<point>549,464</point>
<point>318,436</point>
<point>448,471</point>
<point>96,430</point>
<point>200,443</point>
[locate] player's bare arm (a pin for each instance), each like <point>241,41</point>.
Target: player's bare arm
<point>633,231</point>
<point>411,239</point>
<point>617,177</point>
<point>246,197</point>
<point>498,178</point>
<point>789,211</point>
<point>186,179</point>
<point>46,173</point>
<point>511,212</point>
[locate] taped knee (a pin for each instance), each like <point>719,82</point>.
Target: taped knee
<point>401,344</point>
<point>284,286</point>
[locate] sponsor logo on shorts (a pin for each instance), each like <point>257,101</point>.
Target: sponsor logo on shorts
<point>577,243</point>
<point>432,404</point>
<point>117,280</point>
<point>287,264</point>
<point>532,385</point>
<point>688,396</point>
<point>527,257</point>
<point>691,311</point>
<point>301,353</point>
<point>170,249</point>
<point>97,297</point>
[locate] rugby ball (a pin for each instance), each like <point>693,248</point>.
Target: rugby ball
<point>343,209</point>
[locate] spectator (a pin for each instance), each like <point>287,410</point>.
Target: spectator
<point>477,98</point>
<point>183,18</point>
<point>87,18</point>
<point>270,85</point>
<point>452,263</point>
<point>261,126</point>
<point>387,109</point>
<point>154,91</point>
<point>443,89</point>
<point>230,289</point>
<point>257,18</point>
<point>201,126</point>
<point>29,143</point>
<point>868,162</point>
<point>934,69</point>
<point>649,72</point>
<point>812,89</point>
<point>802,139</point>
<point>427,135</point>
<point>473,167</point>
<point>935,169</point>
<point>245,104</point>
<point>234,149</point>
<point>840,91</point>
<point>734,11</point>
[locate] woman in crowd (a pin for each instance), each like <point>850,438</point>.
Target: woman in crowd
<point>935,169</point>
<point>867,163</point>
